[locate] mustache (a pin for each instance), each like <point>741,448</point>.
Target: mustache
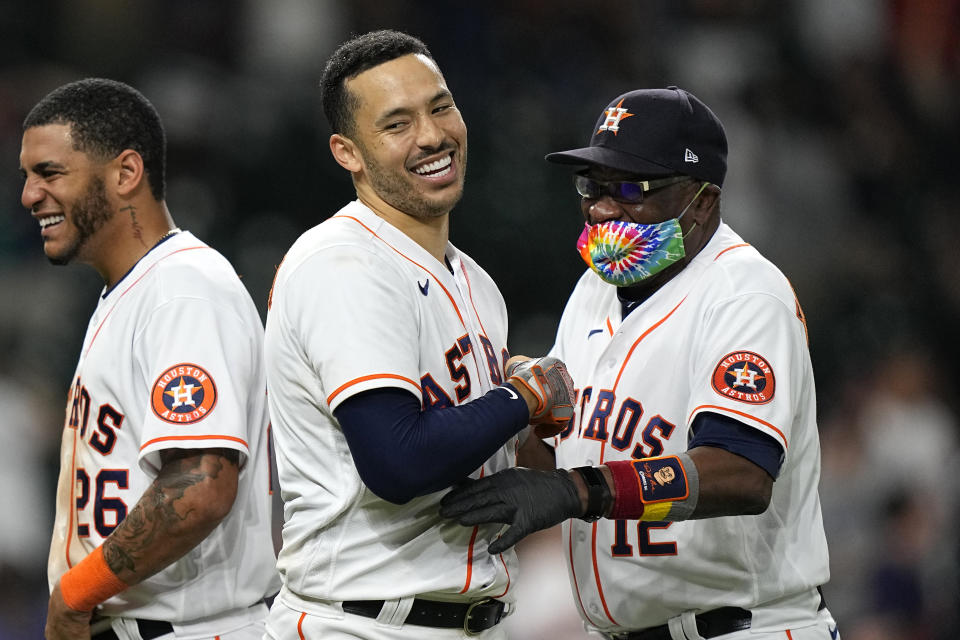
<point>444,146</point>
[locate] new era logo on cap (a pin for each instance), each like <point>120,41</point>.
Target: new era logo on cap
<point>690,156</point>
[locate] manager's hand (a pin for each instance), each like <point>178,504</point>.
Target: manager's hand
<point>525,499</point>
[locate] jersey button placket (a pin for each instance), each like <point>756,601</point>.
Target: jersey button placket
<point>473,330</point>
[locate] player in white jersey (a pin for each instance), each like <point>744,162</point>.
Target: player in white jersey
<point>163,525</point>
<point>385,350</point>
<point>693,455</point>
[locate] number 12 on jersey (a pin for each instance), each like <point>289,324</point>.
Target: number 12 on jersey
<point>621,547</point>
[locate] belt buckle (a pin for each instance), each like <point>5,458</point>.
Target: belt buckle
<point>466,617</point>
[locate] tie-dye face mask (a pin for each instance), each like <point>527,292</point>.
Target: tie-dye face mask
<point>625,253</point>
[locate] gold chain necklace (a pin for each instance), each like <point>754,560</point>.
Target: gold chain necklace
<point>172,232</point>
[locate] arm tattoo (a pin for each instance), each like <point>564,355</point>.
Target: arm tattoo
<point>163,513</point>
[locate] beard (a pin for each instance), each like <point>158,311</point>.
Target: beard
<point>397,189</point>
<point>88,214</point>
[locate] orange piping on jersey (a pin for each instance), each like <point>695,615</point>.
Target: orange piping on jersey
<point>596,566</point>
<point>507,571</point>
<point>400,253</point>
<point>73,489</point>
<point>476,356</point>
<point>300,626</point>
<point>745,415</point>
<point>736,246</point>
<point>273,284</point>
<point>473,540</point>
<point>374,376</point>
<point>472,304</point>
<point>609,326</point>
<point>801,316</point>
<point>132,285</point>
<point>596,576</point>
<point>573,571</point>
<point>640,339</point>
<point>789,635</point>
<point>187,438</point>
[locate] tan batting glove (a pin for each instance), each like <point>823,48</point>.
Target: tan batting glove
<point>548,390</point>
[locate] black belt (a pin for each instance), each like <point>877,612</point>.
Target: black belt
<point>710,624</point>
<point>149,629</point>
<point>472,617</point>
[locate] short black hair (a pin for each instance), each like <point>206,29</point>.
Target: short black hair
<point>351,59</point>
<point>105,117</point>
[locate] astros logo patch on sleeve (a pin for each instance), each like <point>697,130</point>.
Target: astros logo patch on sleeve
<point>744,376</point>
<point>184,393</point>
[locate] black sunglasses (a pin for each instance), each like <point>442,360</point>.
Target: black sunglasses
<point>622,191</point>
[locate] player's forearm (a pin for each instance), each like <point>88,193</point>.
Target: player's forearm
<point>395,445</point>
<point>730,485</point>
<point>191,495</point>
<point>726,485</point>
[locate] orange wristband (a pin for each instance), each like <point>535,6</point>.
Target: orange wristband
<point>90,582</point>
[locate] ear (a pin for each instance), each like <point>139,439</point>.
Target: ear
<point>129,172</point>
<point>346,153</point>
<point>704,206</point>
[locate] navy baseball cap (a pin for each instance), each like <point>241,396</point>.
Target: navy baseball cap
<point>656,132</point>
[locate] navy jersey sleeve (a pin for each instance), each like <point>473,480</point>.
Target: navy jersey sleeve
<point>722,431</point>
<point>402,451</point>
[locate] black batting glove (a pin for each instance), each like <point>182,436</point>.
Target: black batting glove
<point>525,499</point>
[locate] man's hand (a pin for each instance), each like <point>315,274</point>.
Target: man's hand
<point>525,499</point>
<point>548,390</point>
<point>64,623</point>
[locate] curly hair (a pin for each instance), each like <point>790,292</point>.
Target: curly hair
<point>351,59</point>
<point>106,117</point>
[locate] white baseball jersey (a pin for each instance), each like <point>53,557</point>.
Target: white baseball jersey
<point>725,335</point>
<point>172,358</point>
<point>358,305</point>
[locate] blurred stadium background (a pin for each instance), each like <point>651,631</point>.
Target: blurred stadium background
<point>843,118</point>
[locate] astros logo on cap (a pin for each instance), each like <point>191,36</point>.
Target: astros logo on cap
<point>184,393</point>
<point>614,116</point>
<point>744,376</point>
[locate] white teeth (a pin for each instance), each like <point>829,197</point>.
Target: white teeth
<point>49,220</point>
<point>442,163</point>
